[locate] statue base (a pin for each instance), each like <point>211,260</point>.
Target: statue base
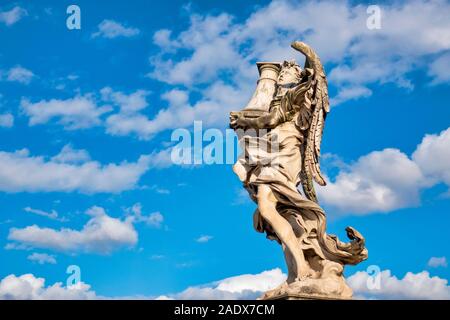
<point>329,288</point>
<point>302,296</point>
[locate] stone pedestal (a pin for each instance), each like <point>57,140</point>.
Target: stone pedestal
<point>331,287</point>
<point>300,296</point>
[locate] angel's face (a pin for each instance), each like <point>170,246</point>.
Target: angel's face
<point>289,74</point>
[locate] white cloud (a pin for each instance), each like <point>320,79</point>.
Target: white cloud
<point>162,38</point>
<point>204,238</point>
<point>21,172</point>
<point>247,286</point>
<point>179,113</point>
<point>439,69</point>
<point>12,16</point>
<point>129,119</point>
<point>412,286</point>
<point>219,99</point>
<point>435,262</point>
<point>101,234</point>
<point>86,111</point>
<point>51,215</point>
<point>122,124</point>
<point>260,282</point>
<point>42,258</point>
<point>351,93</point>
<point>433,154</point>
<point>382,181</point>
<point>70,155</point>
<point>20,74</point>
<point>162,159</point>
<point>111,29</point>
<point>6,120</point>
<point>131,103</point>
<point>28,287</point>
<point>74,113</point>
<point>154,219</point>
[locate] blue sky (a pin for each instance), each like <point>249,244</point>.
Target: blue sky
<point>86,118</point>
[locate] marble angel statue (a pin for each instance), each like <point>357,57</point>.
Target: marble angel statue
<point>289,107</point>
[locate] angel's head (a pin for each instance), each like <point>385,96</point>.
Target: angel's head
<point>290,74</point>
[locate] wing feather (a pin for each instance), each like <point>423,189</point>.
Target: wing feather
<point>318,102</point>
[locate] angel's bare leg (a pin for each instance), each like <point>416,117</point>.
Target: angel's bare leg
<point>267,208</point>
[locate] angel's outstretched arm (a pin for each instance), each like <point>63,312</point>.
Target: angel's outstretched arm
<point>267,121</point>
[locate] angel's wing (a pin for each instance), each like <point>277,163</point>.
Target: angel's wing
<point>318,107</point>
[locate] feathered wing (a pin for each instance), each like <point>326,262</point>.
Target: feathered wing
<point>317,104</point>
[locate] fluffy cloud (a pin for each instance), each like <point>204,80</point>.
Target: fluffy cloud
<point>120,113</point>
<point>19,172</point>
<point>121,125</point>
<point>380,181</point>
<point>435,262</point>
<point>130,103</point>
<point>42,258</point>
<point>70,155</point>
<point>6,120</point>
<point>386,180</point>
<point>29,287</point>
<point>74,113</point>
<point>12,16</point>
<point>212,51</point>
<point>131,120</point>
<point>412,286</point>
<point>111,29</point>
<point>350,93</point>
<point>124,114</point>
<point>439,69</point>
<point>247,286</point>
<point>162,159</point>
<point>432,156</point>
<point>20,74</point>
<point>154,219</point>
<point>101,234</point>
<point>213,110</point>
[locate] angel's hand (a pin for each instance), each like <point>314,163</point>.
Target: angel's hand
<point>237,121</point>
